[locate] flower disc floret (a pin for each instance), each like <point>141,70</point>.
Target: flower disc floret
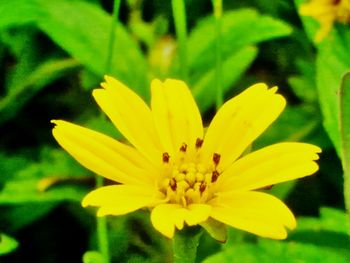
<point>187,181</point>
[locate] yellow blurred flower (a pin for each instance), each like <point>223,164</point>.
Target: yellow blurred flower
<point>326,12</point>
<point>182,175</point>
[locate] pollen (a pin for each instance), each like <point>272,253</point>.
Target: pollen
<point>186,180</point>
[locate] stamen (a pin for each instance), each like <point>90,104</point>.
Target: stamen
<point>199,143</point>
<point>166,157</point>
<point>214,176</point>
<point>202,187</point>
<point>183,147</point>
<point>216,158</point>
<point>173,184</point>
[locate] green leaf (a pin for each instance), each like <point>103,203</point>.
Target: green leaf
<point>240,28</point>
<point>294,124</point>
<point>93,257</point>
<point>32,71</point>
<point>331,64</point>
<point>82,29</point>
<point>329,72</point>
<point>14,218</point>
<point>12,165</point>
<point>23,191</point>
<point>7,244</point>
<point>322,239</point>
<point>345,136</point>
<point>55,177</point>
<point>204,87</point>
<point>267,251</point>
<point>329,231</point>
<point>304,85</point>
<point>17,42</point>
<point>18,12</point>
<point>345,119</point>
<point>330,219</point>
<point>24,90</point>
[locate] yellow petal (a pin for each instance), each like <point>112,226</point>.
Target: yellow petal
<point>197,213</point>
<point>271,165</point>
<point>104,155</point>
<point>165,217</point>
<point>176,115</point>
<point>324,11</point>
<point>120,199</point>
<point>326,26</point>
<point>130,114</point>
<point>162,218</point>
<point>240,121</point>
<point>317,8</point>
<point>254,212</point>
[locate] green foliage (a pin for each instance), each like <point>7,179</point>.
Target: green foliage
<point>185,244</point>
<point>21,92</point>
<point>235,25</point>
<point>236,47</point>
<point>321,239</point>
<point>20,215</point>
<point>49,180</point>
<point>288,252</point>
<point>85,36</point>
<point>332,67</point>
<point>203,89</point>
<point>18,12</point>
<point>7,244</point>
<point>345,136</point>
<point>92,257</point>
<point>53,53</point>
<point>345,118</point>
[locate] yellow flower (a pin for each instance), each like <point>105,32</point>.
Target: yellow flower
<point>182,175</point>
<point>326,12</point>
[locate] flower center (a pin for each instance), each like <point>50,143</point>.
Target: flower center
<point>186,180</point>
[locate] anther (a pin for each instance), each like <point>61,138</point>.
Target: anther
<point>183,147</point>
<point>214,176</point>
<point>216,158</point>
<point>202,187</point>
<point>199,143</point>
<point>173,184</point>
<point>166,157</point>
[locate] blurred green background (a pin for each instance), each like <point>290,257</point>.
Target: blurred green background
<point>53,53</point>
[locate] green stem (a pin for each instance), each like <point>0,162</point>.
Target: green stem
<point>102,231</point>
<point>111,41</point>
<point>179,13</point>
<point>185,244</point>
<point>217,5</point>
